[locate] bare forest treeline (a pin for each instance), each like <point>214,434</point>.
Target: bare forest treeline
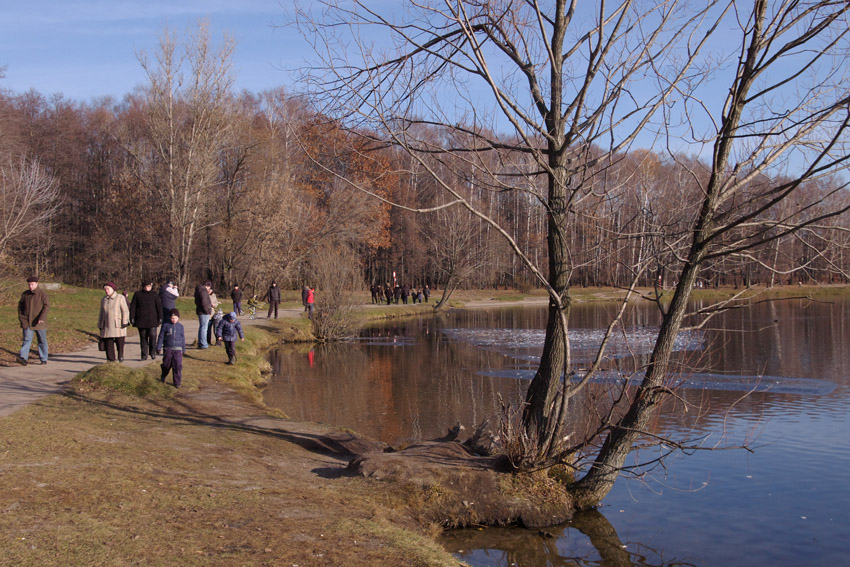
<point>91,192</point>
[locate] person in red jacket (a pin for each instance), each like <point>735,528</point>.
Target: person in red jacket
<point>310,300</point>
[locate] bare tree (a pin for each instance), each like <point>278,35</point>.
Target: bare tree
<point>29,199</point>
<point>523,57</point>
<point>451,237</point>
<point>576,85</point>
<point>788,101</point>
<point>188,127</point>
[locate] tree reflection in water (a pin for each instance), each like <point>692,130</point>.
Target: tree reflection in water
<point>589,539</point>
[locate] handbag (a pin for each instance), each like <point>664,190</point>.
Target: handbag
<point>101,344</point>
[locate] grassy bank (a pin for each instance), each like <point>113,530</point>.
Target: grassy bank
<point>125,470</point>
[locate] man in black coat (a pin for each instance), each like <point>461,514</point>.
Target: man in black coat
<point>274,300</point>
<point>236,296</point>
<point>146,315</point>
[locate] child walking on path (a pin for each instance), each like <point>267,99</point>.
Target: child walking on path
<point>228,330</point>
<point>172,343</point>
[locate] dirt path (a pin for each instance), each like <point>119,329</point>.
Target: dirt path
<point>22,385</point>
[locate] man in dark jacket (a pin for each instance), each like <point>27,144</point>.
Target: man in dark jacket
<point>204,309</point>
<point>32,314</point>
<point>274,300</point>
<point>236,296</point>
<point>146,316</point>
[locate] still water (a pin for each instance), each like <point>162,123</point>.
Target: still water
<point>785,503</point>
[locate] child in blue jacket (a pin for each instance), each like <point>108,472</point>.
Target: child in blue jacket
<point>172,343</point>
<point>228,330</point>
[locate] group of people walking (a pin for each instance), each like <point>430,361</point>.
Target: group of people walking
<point>156,317</point>
<point>381,293</point>
<point>154,314</point>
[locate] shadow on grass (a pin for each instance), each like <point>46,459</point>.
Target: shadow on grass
<point>334,445</point>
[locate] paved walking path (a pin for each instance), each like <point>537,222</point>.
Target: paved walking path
<point>22,385</point>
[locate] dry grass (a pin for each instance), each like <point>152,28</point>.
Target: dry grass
<point>98,477</point>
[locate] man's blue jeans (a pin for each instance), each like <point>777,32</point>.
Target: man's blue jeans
<point>42,344</point>
<point>203,325</point>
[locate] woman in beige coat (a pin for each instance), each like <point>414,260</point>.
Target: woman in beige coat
<point>113,322</point>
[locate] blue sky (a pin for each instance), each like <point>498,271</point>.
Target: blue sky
<point>87,48</point>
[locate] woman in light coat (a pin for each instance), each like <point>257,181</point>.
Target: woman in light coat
<point>113,322</point>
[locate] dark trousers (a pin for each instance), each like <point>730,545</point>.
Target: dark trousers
<point>147,342</point>
<point>237,306</point>
<point>273,307</point>
<point>211,330</point>
<point>230,349</point>
<point>111,343</point>
<point>172,359</point>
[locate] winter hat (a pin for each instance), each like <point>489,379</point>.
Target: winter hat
<point>32,279</point>
<point>110,284</point>
<point>231,315</point>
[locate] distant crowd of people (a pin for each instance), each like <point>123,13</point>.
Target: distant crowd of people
<point>157,319</point>
<point>382,293</point>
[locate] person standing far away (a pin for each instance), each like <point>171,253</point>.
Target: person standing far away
<point>236,296</point>
<point>113,321</point>
<point>203,308</point>
<point>274,300</point>
<point>304,292</point>
<point>32,313</point>
<point>172,344</point>
<point>168,295</point>
<point>310,300</point>
<point>146,316</point>
<point>426,291</point>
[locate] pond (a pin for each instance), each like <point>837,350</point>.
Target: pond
<point>773,377</point>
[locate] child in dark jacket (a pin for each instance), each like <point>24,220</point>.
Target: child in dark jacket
<point>172,343</point>
<point>228,330</point>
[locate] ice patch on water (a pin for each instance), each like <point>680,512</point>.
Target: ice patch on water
<point>774,384</point>
<point>699,381</point>
<point>638,340</point>
<point>397,341</point>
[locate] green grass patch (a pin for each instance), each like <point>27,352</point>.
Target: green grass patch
<point>139,382</point>
<point>368,314</point>
<point>288,329</point>
<point>509,297</point>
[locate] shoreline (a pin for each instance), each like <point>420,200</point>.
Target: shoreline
<point>207,476</point>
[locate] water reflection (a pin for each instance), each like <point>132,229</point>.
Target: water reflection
<point>775,376</point>
<point>588,540</point>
